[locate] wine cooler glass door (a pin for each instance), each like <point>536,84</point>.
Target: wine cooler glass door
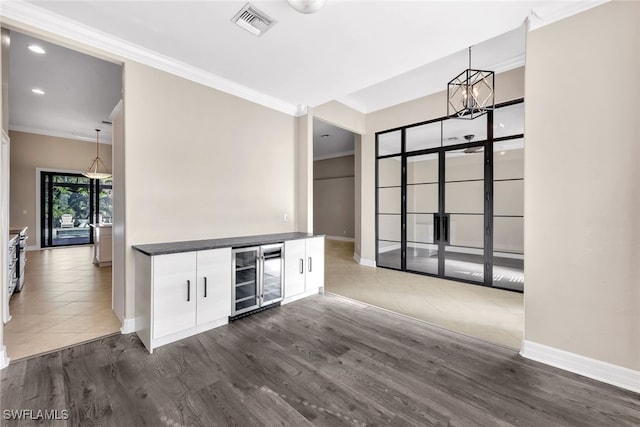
<point>272,279</point>
<point>246,295</point>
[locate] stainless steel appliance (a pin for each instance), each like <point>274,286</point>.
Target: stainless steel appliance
<point>257,279</point>
<point>20,256</point>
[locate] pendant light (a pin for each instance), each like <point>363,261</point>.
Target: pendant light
<point>93,171</point>
<point>471,93</point>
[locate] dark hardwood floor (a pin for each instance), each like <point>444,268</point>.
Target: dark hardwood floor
<point>321,361</point>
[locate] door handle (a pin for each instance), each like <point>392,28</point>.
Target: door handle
<point>301,266</point>
<point>205,287</point>
<point>445,228</point>
<point>310,265</point>
<point>436,228</point>
<point>188,290</point>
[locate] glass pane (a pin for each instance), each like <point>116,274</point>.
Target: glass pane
<point>389,143</point>
<point>455,130</point>
<point>245,280</point>
<point>420,228</point>
<point>422,198</point>
<point>272,287</point>
<point>422,258</point>
<point>508,197</point>
<point>389,227</point>
<point>464,165</point>
<point>508,234</point>
<point>465,197</point>
<point>466,230</point>
<point>389,172</point>
<point>464,263</point>
<point>105,200</point>
<point>389,200</point>
<point>508,159</point>
<point>508,271</point>
<point>423,137</point>
<point>508,121</point>
<point>422,169</point>
<point>389,254</point>
<point>71,203</point>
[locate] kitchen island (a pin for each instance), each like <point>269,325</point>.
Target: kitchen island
<point>102,244</point>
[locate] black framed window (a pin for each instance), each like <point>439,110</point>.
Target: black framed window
<point>449,198</point>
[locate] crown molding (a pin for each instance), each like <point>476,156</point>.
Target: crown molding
<point>19,13</point>
<point>556,11</point>
<point>65,135</point>
<point>334,155</point>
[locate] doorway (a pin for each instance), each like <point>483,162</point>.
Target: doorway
<point>70,204</point>
<point>450,198</point>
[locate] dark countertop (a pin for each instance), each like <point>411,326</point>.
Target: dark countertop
<point>233,242</point>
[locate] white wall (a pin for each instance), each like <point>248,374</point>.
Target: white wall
<point>582,169</point>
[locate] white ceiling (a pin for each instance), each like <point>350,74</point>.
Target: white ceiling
<point>366,54</point>
<point>80,91</point>
<point>330,141</point>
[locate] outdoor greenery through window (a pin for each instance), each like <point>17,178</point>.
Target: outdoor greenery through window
<point>70,203</point>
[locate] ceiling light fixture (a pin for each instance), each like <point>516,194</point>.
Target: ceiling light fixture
<point>37,49</point>
<point>306,6</point>
<point>93,171</point>
<point>37,91</point>
<point>471,93</point>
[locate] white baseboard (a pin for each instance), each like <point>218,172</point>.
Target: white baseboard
<point>128,326</point>
<point>364,261</point>
<point>342,239</point>
<point>585,366</point>
<point>4,359</point>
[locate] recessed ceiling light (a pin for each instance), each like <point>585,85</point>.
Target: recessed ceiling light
<point>36,49</point>
<point>502,153</point>
<point>38,91</point>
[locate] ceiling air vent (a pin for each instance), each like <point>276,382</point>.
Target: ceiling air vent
<point>253,20</point>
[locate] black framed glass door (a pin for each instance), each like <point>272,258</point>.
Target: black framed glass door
<point>441,212</point>
<point>69,204</point>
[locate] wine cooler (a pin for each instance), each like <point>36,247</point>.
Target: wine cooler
<point>257,278</point>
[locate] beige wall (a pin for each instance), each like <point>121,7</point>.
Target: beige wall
<point>333,197</point>
<point>582,169</point>
<point>342,116</point>
<point>30,151</point>
<point>201,163</point>
<point>509,86</point>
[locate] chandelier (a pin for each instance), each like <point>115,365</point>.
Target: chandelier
<point>471,93</point>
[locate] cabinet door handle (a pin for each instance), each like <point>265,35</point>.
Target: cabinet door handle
<point>301,266</point>
<point>205,287</point>
<point>188,290</point>
<point>310,268</point>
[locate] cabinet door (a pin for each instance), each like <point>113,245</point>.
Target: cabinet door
<point>294,266</point>
<point>174,293</point>
<point>214,285</point>
<point>314,263</point>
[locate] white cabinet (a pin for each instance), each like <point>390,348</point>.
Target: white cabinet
<point>213,285</point>
<point>304,268</point>
<point>181,294</point>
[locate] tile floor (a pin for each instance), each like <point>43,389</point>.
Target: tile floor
<point>494,315</point>
<point>66,300</point>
